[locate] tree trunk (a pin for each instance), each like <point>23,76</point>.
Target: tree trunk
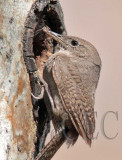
<point>17,126</point>
<point>24,122</point>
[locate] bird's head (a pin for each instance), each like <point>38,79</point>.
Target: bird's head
<point>76,47</point>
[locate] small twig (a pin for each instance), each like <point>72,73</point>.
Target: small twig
<point>41,29</point>
<point>52,147</point>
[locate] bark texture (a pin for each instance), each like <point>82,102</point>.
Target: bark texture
<point>24,122</point>
<point>37,49</point>
<point>17,126</point>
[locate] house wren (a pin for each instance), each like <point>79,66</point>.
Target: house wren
<point>72,76</point>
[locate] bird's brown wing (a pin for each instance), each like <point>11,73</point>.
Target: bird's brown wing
<point>69,83</point>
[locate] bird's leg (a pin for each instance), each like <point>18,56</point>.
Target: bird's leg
<point>52,147</point>
<point>41,95</point>
<point>44,88</point>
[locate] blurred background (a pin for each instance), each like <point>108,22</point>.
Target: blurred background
<point>100,22</point>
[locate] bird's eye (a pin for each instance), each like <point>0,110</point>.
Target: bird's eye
<point>74,43</point>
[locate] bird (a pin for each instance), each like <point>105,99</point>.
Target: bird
<point>72,74</point>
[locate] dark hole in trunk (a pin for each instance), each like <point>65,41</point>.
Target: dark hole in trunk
<point>37,48</point>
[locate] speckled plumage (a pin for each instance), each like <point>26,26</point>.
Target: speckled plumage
<point>72,76</point>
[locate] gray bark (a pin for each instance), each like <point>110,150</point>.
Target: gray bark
<point>24,122</point>
<point>17,127</point>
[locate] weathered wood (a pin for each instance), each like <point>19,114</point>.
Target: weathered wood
<point>17,126</point>
<point>37,49</point>
<point>52,147</point>
<point>21,134</point>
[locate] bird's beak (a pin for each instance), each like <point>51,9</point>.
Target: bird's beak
<point>57,37</point>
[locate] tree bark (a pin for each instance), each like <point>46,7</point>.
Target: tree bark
<point>17,126</point>
<point>24,122</point>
